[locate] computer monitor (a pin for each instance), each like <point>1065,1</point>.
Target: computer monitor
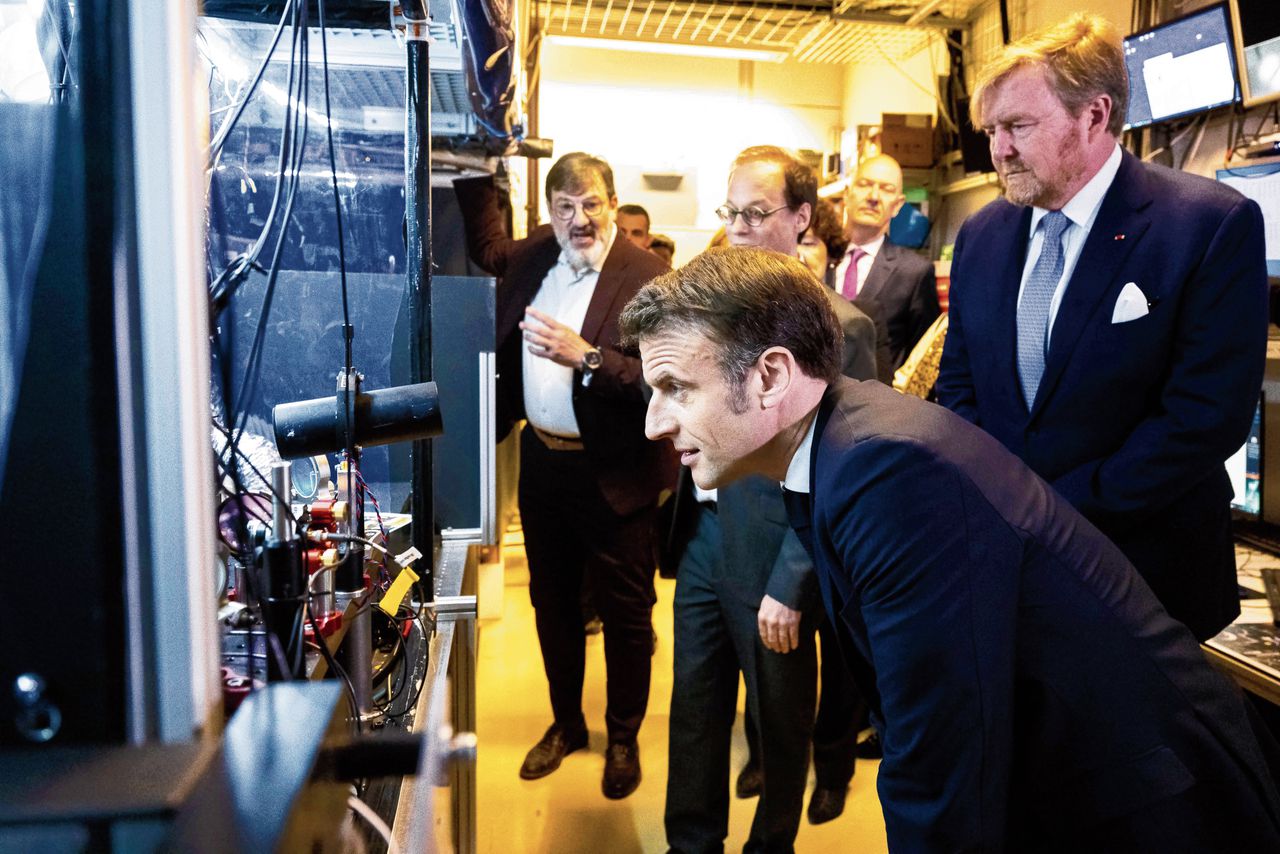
<point>1261,182</point>
<point>1245,470</point>
<point>1181,67</point>
<point>1256,26</point>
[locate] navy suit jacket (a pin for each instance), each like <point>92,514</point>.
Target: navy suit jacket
<point>1031,693</point>
<point>630,470</point>
<point>1132,421</point>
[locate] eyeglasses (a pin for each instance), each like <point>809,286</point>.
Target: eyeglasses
<point>751,216</point>
<point>565,210</point>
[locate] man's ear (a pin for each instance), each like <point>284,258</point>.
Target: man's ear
<point>804,217</point>
<point>1098,113</point>
<point>775,371</point>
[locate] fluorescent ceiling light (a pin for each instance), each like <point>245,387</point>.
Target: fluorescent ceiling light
<point>710,51</point>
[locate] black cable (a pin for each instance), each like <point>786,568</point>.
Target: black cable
<point>426,640</point>
<point>225,285</point>
<point>334,667</point>
<point>292,148</point>
<point>347,331</point>
<point>220,139</point>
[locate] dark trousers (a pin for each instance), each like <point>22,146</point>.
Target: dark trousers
<point>841,715</point>
<point>569,531</point>
<point>715,638</point>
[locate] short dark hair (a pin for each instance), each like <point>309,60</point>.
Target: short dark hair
<point>636,210</point>
<point>801,185</point>
<point>661,240</point>
<point>826,226</point>
<point>745,300</point>
<point>574,172</point>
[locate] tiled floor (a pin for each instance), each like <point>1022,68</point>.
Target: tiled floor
<point>565,812</point>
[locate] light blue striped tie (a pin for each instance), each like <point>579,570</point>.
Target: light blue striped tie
<point>1033,309</point>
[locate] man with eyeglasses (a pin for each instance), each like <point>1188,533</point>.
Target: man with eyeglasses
<point>746,596</point>
<point>589,481</point>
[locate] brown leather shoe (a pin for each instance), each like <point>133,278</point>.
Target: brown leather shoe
<point>621,770</point>
<point>826,804</point>
<point>554,746</point>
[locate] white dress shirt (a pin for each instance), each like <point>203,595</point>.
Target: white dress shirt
<point>565,294</point>
<point>864,263</point>
<point>1082,210</point>
<point>798,469</point>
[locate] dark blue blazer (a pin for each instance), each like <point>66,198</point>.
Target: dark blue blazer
<point>1031,693</point>
<point>1132,421</point>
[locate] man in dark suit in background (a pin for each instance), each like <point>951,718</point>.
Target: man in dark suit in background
<point>1031,692</point>
<point>589,482</point>
<point>633,224</point>
<point>1109,317</point>
<point>873,270</point>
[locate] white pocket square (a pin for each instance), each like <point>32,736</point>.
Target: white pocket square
<point>1131,305</point>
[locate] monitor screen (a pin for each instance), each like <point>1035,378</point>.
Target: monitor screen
<point>1245,470</point>
<point>1261,182</point>
<point>1181,67</point>
<point>1257,32</point>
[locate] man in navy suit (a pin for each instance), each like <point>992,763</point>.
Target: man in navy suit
<point>897,282</point>
<point>1031,692</point>
<point>746,600</point>
<point>589,482</point>
<point>1109,317</point>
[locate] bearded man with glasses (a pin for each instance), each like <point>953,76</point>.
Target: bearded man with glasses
<point>589,480</point>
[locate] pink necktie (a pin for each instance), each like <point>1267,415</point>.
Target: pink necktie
<point>850,289</point>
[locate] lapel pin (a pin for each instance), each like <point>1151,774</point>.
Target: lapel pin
<point>1119,237</point>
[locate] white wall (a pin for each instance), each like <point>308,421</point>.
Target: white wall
<point>660,113</point>
<point>892,86</point>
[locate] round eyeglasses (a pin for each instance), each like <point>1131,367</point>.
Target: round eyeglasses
<point>751,216</point>
<point>565,210</point>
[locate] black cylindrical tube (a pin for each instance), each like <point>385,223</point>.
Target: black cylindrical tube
<point>383,416</point>
<point>285,582</point>
<point>417,199</point>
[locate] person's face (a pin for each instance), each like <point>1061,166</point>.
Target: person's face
<point>635,228</point>
<point>717,434</point>
<point>1037,146</point>
<point>582,235</point>
<point>874,197</point>
<point>665,253</point>
<point>813,252</point>
<point>763,186</point>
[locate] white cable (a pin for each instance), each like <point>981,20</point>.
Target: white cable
<point>375,821</point>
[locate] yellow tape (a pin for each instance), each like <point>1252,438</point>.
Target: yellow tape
<point>390,602</point>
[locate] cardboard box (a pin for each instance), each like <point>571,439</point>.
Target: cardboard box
<point>921,121</point>
<point>908,138</point>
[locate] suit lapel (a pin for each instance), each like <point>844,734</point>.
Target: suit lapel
<point>608,286</point>
<point>881,270</point>
<point>1100,260</point>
